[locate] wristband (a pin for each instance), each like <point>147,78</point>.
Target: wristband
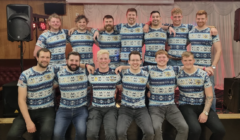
<point>204,68</point>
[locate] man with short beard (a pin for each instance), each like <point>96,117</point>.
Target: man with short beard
<point>110,40</point>
<point>73,85</point>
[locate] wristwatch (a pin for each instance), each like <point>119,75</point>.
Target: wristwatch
<point>214,67</point>
<point>206,113</point>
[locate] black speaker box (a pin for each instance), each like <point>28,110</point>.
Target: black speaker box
<point>58,8</point>
<point>231,97</point>
<point>19,22</point>
<point>10,99</point>
<point>237,25</point>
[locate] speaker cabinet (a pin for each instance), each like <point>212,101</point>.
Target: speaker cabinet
<point>231,97</point>
<point>237,25</point>
<point>19,22</point>
<point>58,8</point>
<point>10,99</point>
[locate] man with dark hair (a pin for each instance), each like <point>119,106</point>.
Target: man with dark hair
<point>133,106</point>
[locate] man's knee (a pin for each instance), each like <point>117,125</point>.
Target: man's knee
<point>110,134</point>
<point>183,128</point>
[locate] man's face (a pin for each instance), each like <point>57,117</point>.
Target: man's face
<point>81,24</point>
<point>73,62</point>
<point>103,61</point>
<point>155,19</point>
<point>55,23</point>
<point>108,24</point>
<point>188,62</point>
<point>177,19</point>
<point>44,59</point>
<point>201,20</point>
<point>131,17</point>
<point>135,61</point>
<point>161,60</point>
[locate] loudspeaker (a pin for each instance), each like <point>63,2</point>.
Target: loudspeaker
<point>58,8</point>
<point>237,25</point>
<point>231,96</point>
<point>10,99</point>
<point>19,22</point>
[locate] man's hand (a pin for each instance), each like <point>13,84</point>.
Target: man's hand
<point>115,95</point>
<point>90,69</point>
<point>146,28</point>
<point>202,118</point>
<point>31,128</point>
<point>172,31</point>
<point>167,48</point>
<point>213,31</point>
<point>96,35</point>
<point>209,70</point>
<point>149,94</point>
<point>71,31</point>
<point>45,31</point>
<point>118,69</point>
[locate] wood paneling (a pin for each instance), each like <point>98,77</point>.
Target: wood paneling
<point>10,50</point>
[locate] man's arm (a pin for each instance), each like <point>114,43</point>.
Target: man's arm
<point>218,50</point>
<point>22,97</point>
<point>120,68</point>
<point>36,50</point>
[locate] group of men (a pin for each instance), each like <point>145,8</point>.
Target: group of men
<point>121,50</point>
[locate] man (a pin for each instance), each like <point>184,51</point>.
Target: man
<point>201,45</point>
<point>110,40</point>
<point>133,106</point>
<point>103,110</point>
<point>195,100</point>
<point>54,39</point>
<point>35,99</point>
<point>73,83</point>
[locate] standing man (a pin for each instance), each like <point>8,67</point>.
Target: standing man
<point>73,83</point>
<point>201,45</point>
<point>54,40</point>
<point>195,100</point>
<point>133,100</point>
<point>103,110</point>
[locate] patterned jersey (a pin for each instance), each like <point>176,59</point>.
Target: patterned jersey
<point>83,43</point>
<point>154,40</point>
<point>201,46</point>
<point>112,43</point>
<point>191,87</point>
<point>134,85</point>
<point>56,43</point>
<point>178,44</point>
<point>73,86</point>
<point>131,38</point>
<point>104,86</point>
<point>162,83</point>
<point>39,87</point>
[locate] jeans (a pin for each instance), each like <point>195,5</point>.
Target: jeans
<point>173,62</point>
<point>99,115</point>
<point>45,117</point>
<point>214,96</point>
<point>64,117</point>
<point>172,114</point>
<point>142,119</point>
<point>191,114</point>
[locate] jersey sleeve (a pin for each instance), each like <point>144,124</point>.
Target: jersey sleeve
<point>190,27</point>
<point>42,41</point>
<point>207,82</point>
<point>119,81</point>
<point>215,38</point>
<point>176,69</point>
<point>22,82</point>
<point>118,27</point>
<point>145,68</point>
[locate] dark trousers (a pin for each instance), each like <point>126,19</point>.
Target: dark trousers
<point>46,119</point>
<point>191,114</point>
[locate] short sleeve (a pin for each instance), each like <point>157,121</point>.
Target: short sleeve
<point>215,38</point>
<point>118,27</point>
<point>176,69</point>
<point>55,81</point>
<point>41,42</point>
<point>65,31</point>
<point>190,27</point>
<point>119,81</point>
<point>22,82</point>
<point>145,68</point>
<point>207,82</point>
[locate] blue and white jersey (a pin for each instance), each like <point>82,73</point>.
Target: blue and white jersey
<point>73,86</point>
<point>56,44</point>
<point>191,87</point>
<point>131,38</point>
<point>83,43</point>
<point>201,46</point>
<point>104,86</point>
<point>178,44</point>
<point>154,40</point>
<point>39,87</point>
<point>112,43</point>
<point>134,85</point>
<point>162,84</point>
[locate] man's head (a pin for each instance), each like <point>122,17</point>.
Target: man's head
<point>54,22</point>
<point>135,60</point>
<point>43,57</point>
<point>81,22</point>
<point>131,16</point>
<point>176,16</point>
<point>161,57</point>
<point>188,60</point>
<point>155,18</point>
<point>73,61</point>
<point>108,23</point>
<point>201,18</point>
<point>103,59</point>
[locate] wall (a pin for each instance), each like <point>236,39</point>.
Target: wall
<point>10,50</point>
